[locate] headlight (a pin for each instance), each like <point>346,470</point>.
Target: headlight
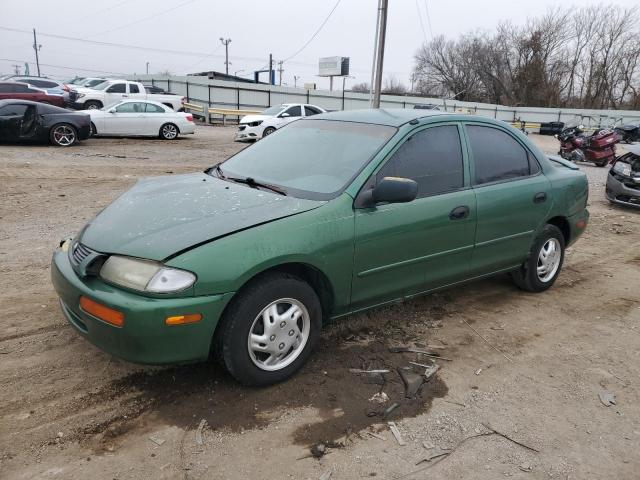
<point>622,168</point>
<point>255,124</point>
<point>80,95</point>
<point>145,275</point>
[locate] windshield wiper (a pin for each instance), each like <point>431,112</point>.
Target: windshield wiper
<point>247,181</point>
<point>253,183</point>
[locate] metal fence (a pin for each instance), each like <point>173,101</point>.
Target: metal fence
<point>249,96</point>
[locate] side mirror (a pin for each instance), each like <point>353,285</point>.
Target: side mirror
<point>391,190</point>
<point>113,110</point>
<point>284,115</point>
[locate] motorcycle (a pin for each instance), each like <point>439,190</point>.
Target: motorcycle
<point>599,148</point>
<point>628,133</point>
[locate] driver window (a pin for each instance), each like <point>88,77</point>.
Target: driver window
<point>130,107</point>
<point>294,111</point>
<point>117,88</point>
<point>432,157</point>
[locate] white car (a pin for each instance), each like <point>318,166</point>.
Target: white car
<point>145,118</point>
<point>254,127</point>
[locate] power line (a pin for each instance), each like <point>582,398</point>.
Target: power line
<point>316,32</point>
<point>150,17</point>
<point>104,10</point>
<point>66,68</point>
<point>426,9</point>
<point>424,32</point>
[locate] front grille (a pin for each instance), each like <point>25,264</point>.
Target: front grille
<point>79,253</point>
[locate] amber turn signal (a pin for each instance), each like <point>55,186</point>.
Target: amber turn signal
<point>183,319</point>
<point>105,314</point>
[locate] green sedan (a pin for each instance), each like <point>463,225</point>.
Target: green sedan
<point>328,216</point>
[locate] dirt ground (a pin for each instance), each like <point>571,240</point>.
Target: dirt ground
<point>530,367</point>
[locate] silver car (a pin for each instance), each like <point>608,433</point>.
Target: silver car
<point>623,181</point>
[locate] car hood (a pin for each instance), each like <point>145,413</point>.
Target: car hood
<point>162,216</point>
<point>254,118</point>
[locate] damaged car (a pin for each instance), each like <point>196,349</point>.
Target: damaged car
<point>328,216</point>
<point>23,121</point>
<point>623,181</point>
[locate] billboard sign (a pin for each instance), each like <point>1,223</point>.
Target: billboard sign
<point>333,67</point>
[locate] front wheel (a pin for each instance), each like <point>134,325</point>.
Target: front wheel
<point>268,131</point>
<point>169,131</point>
<point>269,330</point>
<point>93,105</point>
<point>542,267</point>
<point>63,135</point>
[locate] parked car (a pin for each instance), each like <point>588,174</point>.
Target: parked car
<point>24,91</point>
<point>114,91</point>
<point>330,215</point>
<point>52,87</point>
<point>22,121</point>
<point>141,118</point>
<point>426,106</point>
<point>628,133</point>
<point>623,181</point>
<point>255,127</point>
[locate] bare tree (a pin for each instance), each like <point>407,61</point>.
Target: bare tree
<point>393,86</point>
<point>361,87</point>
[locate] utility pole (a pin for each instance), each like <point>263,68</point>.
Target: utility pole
<point>147,68</point>
<point>272,80</point>
<point>295,80</point>
<point>280,70</point>
<point>36,47</point>
<point>380,58</point>
<point>226,43</point>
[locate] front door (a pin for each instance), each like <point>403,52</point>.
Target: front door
<point>405,248</point>
<point>289,115</point>
<point>126,119</point>
<point>513,198</point>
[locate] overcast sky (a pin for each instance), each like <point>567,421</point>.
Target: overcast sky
<point>256,27</point>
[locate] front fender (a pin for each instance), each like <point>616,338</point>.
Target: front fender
<point>321,238</point>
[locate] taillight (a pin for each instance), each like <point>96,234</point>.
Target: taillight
<point>189,118</point>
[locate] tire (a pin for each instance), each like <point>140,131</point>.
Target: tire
<point>285,344</point>
<point>169,131</point>
<point>268,131</point>
<point>527,277</point>
<point>94,130</point>
<point>63,135</point>
<point>92,105</point>
<point>602,164</point>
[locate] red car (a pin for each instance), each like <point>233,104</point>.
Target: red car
<point>24,91</point>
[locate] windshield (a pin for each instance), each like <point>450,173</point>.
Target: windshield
<point>313,159</point>
<point>92,83</point>
<point>273,110</point>
<point>101,86</point>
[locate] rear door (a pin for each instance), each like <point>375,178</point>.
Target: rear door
<point>134,91</point>
<point>155,117</point>
<point>405,248</point>
<point>513,197</point>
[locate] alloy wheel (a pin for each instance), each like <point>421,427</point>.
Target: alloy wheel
<point>279,334</point>
<point>169,131</point>
<point>64,135</point>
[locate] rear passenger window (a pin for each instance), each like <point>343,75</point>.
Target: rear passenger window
<point>497,156</point>
<point>133,88</point>
<point>431,157</point>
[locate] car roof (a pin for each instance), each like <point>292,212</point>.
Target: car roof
<point>393,117</point>
<point>141,100</point>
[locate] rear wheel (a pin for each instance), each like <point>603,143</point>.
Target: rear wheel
<point>269,330</point>
<point>602,164</point>
<point>63,135</point>
<point>169,131</point>
<point>268,131</point>
<point>542,267</point>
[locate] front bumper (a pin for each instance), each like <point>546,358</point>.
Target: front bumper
<point>248,134</point>
<point>625,193</point>
<point>144,337</point>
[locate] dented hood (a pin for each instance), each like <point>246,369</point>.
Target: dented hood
<point>161,216</point>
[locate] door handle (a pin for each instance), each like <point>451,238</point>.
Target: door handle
<point>459,213</point>
<point>540,197</point>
